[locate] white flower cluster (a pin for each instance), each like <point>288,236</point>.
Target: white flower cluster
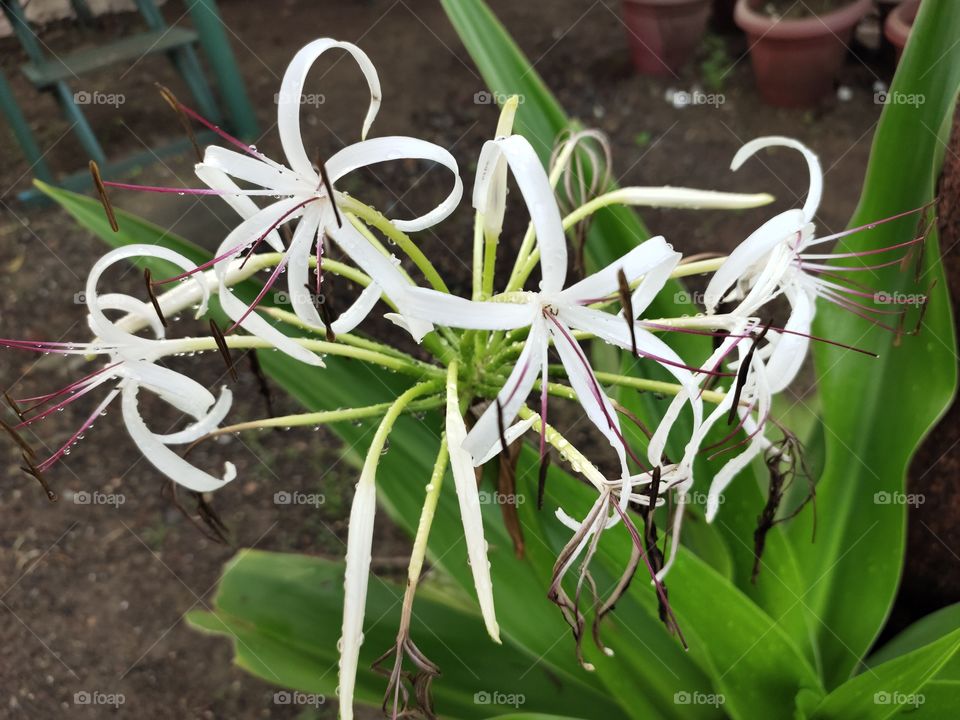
<point>504,351</point>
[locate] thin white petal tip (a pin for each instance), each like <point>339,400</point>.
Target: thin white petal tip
<point>418,329</point>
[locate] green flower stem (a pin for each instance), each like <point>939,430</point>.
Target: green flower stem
<point>573,457</point>
<point>477,256</point>
<point>490,243</point>
<point>419,552</point>
<point>656,386</point>
<point>325,417</point>
<point>396,408</point>
<point>251,342</point>
<point>426,516</point>
<point>376,219</point>
<point>697,268</point>
<point>289,318</point>
<point>494,385</point>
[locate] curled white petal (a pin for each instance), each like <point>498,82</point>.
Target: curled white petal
<point>103,327</point>
<point>204,425</point>
<point>465,480</point>
<point>751,251</point>
<point>377,150</point>
<point>182,392</point>
<point>248,231</point>
<point>275,178</point>
<point>291,92</point>
<point>140,313</point>
<point>383,270</point>
<point>652,260</point>
<point>813,165</point>
<point>162,457</point>
<point>218,180</point>
<point>791,349</point>
<point>511,434</point>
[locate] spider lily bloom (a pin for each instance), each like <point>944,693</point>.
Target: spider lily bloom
<point>645,490</point>
<point>553,312</point>
<point>130,366</point>
<point>305,192</point>
<point>775,260</point>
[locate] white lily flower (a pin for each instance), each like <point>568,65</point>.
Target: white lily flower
<point>304,192</point>
<point>131,364</point>
<point>769,262</point>
<point>554,311</point>
<point>304,195</point>
<point>775,259</point>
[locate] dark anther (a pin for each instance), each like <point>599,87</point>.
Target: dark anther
<point>33,471</point>
<point>650,538</point>
<point>420,679</point>
<point>666,612</point>
<point>207,521</point>
<point>784,463</point>
<point>13,405</point>
<point>104,198</point>
<point>148,280</point>
<point>627,302</point>
<point>743,372</point>
<point>172,101</point>
<point>18,439</point>
<point>223,348</point>
<point>323,308</point>
<point>542,479</point>
<point>507,487</point>
<point>500,428</point>
<point>325,179</point>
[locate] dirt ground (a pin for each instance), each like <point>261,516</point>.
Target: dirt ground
<point>92,595</point>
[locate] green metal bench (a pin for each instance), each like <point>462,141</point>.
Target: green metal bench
<point>52,72</point>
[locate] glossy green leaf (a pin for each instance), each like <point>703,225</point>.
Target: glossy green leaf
<point>884,690</point>
<point>923,632</point>
<point>282,612</point>
<point>853,568</point>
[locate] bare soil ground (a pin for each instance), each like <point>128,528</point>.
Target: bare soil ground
<point>92,596</point>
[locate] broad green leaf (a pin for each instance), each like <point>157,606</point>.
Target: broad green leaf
<point>744,653</point>
<point>853,568</point>
<point>535,716</point>
<point>899,684</point>
<point>282,612</point>
<point>517,583</point>
<point>89,214</point>
<point>921,633</point>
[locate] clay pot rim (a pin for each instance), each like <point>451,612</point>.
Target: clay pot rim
<point>900,21</point>
<point>751,21</point>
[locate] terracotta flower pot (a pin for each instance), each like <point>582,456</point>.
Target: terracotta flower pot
<point>796,61</point>
<point>897,26</point>
<point>663,34</point>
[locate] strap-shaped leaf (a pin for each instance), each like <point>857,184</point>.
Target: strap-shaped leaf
<point>875,412</point>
